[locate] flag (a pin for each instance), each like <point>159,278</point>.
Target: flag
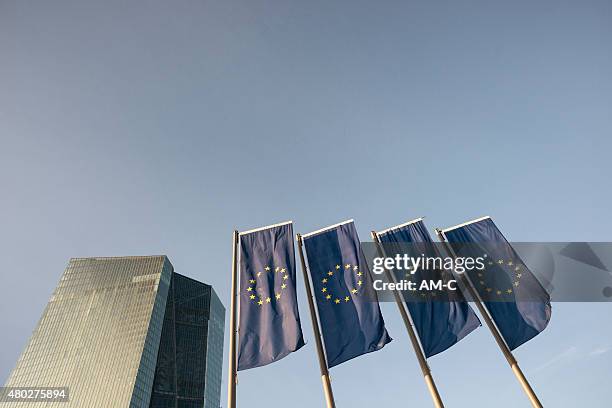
<point>439,322</point>
<point>349,313</point>
<point>269,326</point>
<point>515,299</point>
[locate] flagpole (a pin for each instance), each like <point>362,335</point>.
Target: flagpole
<point>327,388</point>
<point>232,369</point>
<point>416,345</point>
<point>533,398</point>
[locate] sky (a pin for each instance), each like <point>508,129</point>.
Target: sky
<point>138,128</point>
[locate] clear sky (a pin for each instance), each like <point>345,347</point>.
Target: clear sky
<point>135,128</point>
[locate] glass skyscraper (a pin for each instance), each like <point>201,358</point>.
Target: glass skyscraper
<point>126,332</point>
<point>190,356</point>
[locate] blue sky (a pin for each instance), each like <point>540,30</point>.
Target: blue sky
<point>134,128</point>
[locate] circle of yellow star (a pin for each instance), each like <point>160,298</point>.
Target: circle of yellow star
<point>254,287</point>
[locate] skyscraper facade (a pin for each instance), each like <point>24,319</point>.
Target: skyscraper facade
<point>188,370</point>
<point>126,332</point>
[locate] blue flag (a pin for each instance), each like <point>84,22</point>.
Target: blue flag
<point>349,313</point>
<point>516,300</point>
<point>440,323</point>
<point>269,326</point>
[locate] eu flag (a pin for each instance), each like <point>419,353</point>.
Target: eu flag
<point>440,323</point>
<point>516,300</point>
<point>269,327</point>
<point>349,313</point>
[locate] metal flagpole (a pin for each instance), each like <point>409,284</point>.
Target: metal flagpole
<point>232,369</point>
<point>431,385</point>
<point>327,388</point>
<point>533,398</point>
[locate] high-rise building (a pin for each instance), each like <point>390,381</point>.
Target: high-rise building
<point>126,332</point>
<point>190,356</point>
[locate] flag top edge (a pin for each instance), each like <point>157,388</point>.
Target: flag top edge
<point>400,225</point>
<point>465,223</point>
<point>326,228</point>
<point>264,228</point>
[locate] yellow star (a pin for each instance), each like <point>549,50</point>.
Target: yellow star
<point>501,261</point>
<point>337,301</point>
<point>324,280</point>
<point>283,270</point>
<point>278,296</point>
<point>516,284</point>
<point>346,299</point>
<point>252,280</point>
<point>347,266</point>
<point>499,292</point>
<point>355,267</point>
<point>277,269</point>
<point>510,263</point>
<point>268,300</point>
<point>260,302</point>
<point>360,273</point>
<point>337,266</point>
<point>359,283</point>
<point>328,297</point>
<point>509,291</point>
<point>286,277</point>
<point>258,273</point>
<point>354,291</point>
<point>249,289</point>
<point>518,275</point>
<point>252,296</point>
<point>330,273</point>
<point>489,289</point>
<point>283,286</point>
<point>324,290</point>
<point>267,268</point>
